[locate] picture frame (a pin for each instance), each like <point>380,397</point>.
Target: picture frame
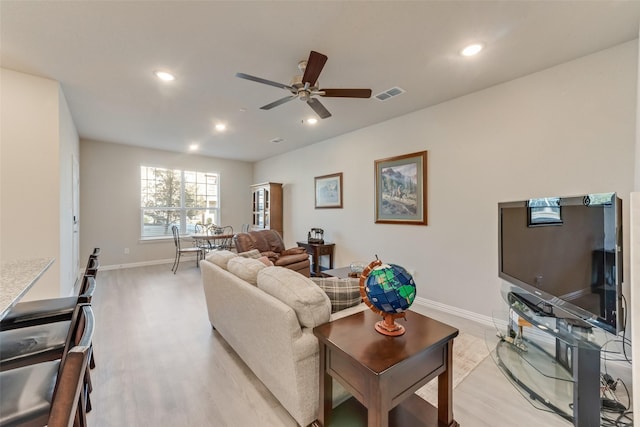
<point>328,191</point>
<point>401,189</point>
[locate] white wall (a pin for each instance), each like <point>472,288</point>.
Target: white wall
<point>110,198</point>
<point>37,133</point>
<point>564,131</point>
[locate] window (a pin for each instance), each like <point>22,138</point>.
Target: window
<point>176,197</point>
<point>545,211</point>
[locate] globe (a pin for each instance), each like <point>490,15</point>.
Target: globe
<point>388,290</point>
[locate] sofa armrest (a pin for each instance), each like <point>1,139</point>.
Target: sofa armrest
<point>293,251</point>
<point>285,260</point>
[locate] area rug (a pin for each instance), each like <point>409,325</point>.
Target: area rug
<point>468,352</point>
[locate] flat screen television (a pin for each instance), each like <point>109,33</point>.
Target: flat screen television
<point>566,252</point>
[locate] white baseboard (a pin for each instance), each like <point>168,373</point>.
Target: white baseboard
<point>460,312</point>
<point>137,264</point>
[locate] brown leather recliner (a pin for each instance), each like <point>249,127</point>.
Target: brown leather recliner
<point>270,244</point>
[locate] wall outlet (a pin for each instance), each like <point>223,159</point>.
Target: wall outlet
<point>126,251</point>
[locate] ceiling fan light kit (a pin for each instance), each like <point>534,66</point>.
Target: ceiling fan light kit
<point>305,87</point>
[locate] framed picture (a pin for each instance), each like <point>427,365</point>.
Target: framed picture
<point>329,191</point>
<point>401,189</point>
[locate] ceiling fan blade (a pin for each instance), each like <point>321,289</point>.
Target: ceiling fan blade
<point>347,93</point>
<point>278,102</point>
<point>315,64</point>
<point>264,81</point>
<point>319,108</point>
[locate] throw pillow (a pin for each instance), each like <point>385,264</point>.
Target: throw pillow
<point>266,261</point>
<point>343,293</point>
<point>273,256</point>
<point>311,305</point>
<point>245,268</point>
<point>253,253</point>
<point>221,258</point>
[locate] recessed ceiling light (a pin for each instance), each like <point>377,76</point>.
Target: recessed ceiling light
<point>220,127</point>
<point>193,147</point>
<point>472,49</point>
<point>165,76</point>
<point>312,121</point>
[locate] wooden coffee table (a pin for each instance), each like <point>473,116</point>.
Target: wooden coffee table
<point>383,373</point>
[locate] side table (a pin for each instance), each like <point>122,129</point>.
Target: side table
<point>316,250</point>
<point>383,373</point>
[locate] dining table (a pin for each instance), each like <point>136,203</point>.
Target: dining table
<point>17,277</point>
<point>222,241</point>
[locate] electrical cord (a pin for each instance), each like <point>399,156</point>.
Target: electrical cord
<point>606,421</point>
<point>623,341</point>
<point>612,405</point>
<point>605,353</point>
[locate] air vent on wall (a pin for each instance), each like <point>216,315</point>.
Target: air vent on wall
<point>394,91</point>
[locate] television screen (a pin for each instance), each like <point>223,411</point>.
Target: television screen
<point>566,251</point>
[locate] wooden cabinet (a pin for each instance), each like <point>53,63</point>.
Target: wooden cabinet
<point>266,199</point>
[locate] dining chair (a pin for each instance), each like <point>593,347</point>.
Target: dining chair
<point>204,244</point>
<point>180,250</point>
<point>27,396</point>
<point>226,239</point>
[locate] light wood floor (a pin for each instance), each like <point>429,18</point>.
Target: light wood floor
<point>159,363</point>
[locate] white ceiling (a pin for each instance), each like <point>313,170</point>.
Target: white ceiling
<point>104,54</point>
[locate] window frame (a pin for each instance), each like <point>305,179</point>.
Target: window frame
<point>183,211</point>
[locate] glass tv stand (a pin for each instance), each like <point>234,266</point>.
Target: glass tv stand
<point>554,359</point>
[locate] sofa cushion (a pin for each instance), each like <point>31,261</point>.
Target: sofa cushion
<point>246,268</point>
<point>253,253</point>
<point>221,258</point>
<point>310,303</point>
<point>343,293</point>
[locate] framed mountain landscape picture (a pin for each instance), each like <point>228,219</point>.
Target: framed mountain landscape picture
<point>401,189</point>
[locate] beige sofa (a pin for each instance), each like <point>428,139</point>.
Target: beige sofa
<point>267,315</point>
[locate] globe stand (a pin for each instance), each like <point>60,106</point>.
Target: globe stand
<point>388,325</point>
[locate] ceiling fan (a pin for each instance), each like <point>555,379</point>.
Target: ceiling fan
<point>305,86</point>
